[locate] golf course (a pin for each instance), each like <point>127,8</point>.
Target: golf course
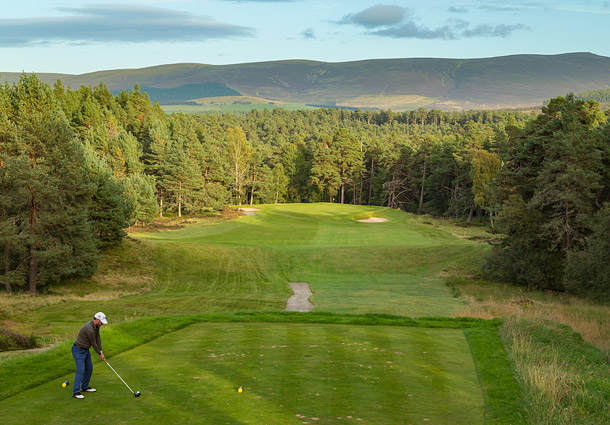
<point>198,311</point>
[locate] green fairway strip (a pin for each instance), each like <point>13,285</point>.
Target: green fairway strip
<point>291,373</point>
<point>391,267</point>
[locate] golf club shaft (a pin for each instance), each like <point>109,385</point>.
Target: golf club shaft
<point>120,377</point>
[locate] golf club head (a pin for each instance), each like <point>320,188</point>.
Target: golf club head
<point>137,394</point>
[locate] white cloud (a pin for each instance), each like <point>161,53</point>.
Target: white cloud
<point>115,23</point>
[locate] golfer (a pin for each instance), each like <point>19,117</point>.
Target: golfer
<point>88,336</point>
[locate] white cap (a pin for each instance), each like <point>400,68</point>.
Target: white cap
<point>101,317</point>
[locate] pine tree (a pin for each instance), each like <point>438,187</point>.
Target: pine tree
<point>57,233</point>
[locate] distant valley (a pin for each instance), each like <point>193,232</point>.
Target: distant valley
<point>518,81</point>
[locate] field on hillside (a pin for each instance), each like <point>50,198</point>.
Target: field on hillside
<point>232,104</point>
<point>356,358</point>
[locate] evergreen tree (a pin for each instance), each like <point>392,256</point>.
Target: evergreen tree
<point>588,270</point>
<point>325,175</point>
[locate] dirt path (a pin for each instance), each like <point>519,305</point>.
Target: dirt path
<point>300,300</point>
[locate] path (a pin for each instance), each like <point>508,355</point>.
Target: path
<point>300,300</point>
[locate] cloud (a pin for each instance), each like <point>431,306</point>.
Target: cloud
<point>487,31</point>
<point>400,22</point>
<point>511,7</point>
<point>115,23</point>
<point>308,33</point>
<point>412,30</point>
<point>454,30</point>
<point>457,9</point>
<point>376,16</point>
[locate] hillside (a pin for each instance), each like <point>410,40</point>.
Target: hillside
<point>398,84</point>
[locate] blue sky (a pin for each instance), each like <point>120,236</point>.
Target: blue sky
<point>75,37</point>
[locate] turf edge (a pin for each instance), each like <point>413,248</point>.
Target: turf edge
<point>501,391</point>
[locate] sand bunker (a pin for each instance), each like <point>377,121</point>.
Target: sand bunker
<point>374,220</point>
<point>249,209</point>
<point>300,300</point>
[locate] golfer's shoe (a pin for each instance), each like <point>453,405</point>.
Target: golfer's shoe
<point>78,395</point>
<point>90,390</point>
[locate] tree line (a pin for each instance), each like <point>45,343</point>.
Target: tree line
<point>79,166</point>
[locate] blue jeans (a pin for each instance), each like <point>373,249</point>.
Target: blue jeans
<point>84,368</point>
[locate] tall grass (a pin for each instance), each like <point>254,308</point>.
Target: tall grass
<point>566,380</point>
<point>559,345</point>
<point>488,300</point>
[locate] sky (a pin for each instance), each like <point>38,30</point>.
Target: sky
<point>76,37</point>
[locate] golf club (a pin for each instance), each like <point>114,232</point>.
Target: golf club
<point>136,394</point>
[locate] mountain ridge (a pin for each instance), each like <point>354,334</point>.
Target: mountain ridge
<point>479,83</point>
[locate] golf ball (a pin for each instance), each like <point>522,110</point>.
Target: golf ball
<point>64,384</point>
<point>240,390</point>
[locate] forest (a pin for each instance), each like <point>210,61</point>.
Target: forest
<point>78,167</point>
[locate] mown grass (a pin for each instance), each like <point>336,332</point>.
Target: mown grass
<point>356,271</point>
<point>314,365</point>
<point>245,264</point>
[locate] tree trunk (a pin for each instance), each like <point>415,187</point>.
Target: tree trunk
<point>252,193</point>
<point>391,192</point>
<point>470,215</point>
<point>7,265</point>
<point>7,269</point>
<point>180,199</point>
<point>371,179</point>
<point>33,270</point>
<point>237,184</point>
<point>421,195</point>
<point>342,192</point>
<point>33,266</point>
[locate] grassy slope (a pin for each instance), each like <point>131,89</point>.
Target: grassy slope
<point>393,266</point>
<point>245,264</point>
<point>390,267</point>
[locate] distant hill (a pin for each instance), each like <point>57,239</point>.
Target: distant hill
<point>177,95</point>
<point>397,84</point>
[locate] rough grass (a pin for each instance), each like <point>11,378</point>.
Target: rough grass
<point>559,345</point>
<point>565,380</point>
<point>489,300</point>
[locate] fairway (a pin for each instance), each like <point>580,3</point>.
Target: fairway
<point>393,267</point>
<point>291,374</point>
<point>212,320</point>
